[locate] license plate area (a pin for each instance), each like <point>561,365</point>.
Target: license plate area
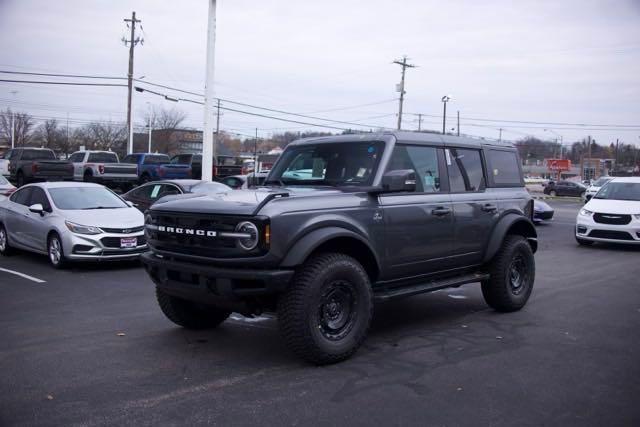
<point>128,242</point>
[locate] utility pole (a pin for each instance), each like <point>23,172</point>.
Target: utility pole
<point>209,146</point>
<point>13,121</point>
<point>419,122</point>
<point>132,42</point>
<point>255,159</point>
<point>404,66</point>
<point>149,124</point>
<point>218,121</point>
<point>458,123</point>
<point>500,137</point>
<point>589,164</point>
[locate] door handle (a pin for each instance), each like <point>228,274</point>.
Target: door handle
<point>440,211</point>
<point>489,207</point>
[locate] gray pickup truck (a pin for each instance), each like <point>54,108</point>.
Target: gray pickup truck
<point>37,164</point>
<point>103,167</point>
<point>340,223</point>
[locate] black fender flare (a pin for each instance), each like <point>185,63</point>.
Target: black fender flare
<point>305,245</point>
<point>506,223</point>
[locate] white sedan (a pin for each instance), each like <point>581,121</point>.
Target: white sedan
<point>612,215</point>
<point>71,222</point>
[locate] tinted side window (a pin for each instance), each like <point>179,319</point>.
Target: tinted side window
<point>103,157</point>
<point>76,157</point>
<point>38,196</point>
<point>38,155</point>
<point>167,190</point>
<point>21,196</point>
<point>465,170</point>
<point>505,167</point>
<point>423,160</point>
<point>130,159</point>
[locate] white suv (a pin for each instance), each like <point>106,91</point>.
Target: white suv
<point>612,215</point>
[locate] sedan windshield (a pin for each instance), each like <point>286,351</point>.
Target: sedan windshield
<point>84,198</point>
<point>601,181</point>
<point>334,164</point>
<point>620,191</point>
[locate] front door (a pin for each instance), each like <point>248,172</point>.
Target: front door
<point>419,224</point>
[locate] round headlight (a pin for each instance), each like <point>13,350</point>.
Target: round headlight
<point>250,229</point>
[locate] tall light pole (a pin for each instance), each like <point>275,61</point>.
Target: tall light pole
<point>149,125</point>
<point>445,99</point>
<point>208,143</point>
<point>13,121</point>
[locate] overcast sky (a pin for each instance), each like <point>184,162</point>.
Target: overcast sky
<point>570,61</point>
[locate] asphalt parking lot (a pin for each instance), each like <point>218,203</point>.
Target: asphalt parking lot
<point>89,346</point>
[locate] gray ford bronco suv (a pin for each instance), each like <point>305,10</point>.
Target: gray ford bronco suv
<point>343,222</point>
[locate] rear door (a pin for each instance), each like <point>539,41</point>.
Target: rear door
<point>474,208</point>
<point>419,224</point>
<point>78,165</point>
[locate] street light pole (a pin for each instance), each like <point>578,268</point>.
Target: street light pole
<point>445,99</point>
<point>208,143</point>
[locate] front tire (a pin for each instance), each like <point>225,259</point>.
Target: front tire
<point>5,249</point>
<point>325,314</point>
<point>190,315</point>
<point>56,252</point>
<point>20,181</point>
<point>553,193</point>
<point>512,273</point>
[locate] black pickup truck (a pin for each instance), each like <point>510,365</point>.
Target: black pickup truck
<point>223,167</point>
<point>37,164</point>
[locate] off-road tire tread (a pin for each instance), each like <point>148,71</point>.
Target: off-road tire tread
<point>177,310</point>
<point>495,293</point>
<point>292,315</point>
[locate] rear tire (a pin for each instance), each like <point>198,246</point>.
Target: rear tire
<point>5,249</point>
<point>325,314</point>
<point>145,178</point>
<point>190,315</point>
<point>56,252</point>
<point>512,274</point>
<point>87,177</point>
<point>584,242</point>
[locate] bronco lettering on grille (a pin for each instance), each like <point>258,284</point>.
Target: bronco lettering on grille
<point>190,231</point>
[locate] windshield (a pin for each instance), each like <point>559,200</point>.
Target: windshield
<point>82,198</point>
<point>620,191</point>
<point>103,158</point>
<point>601,181</point>
<point>209,188</point>
<point>334,164</point>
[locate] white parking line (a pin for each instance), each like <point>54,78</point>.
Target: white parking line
<point>26,276</point>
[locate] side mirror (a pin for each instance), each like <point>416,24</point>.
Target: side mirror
<point>37,208</point>
<point>399,180</point>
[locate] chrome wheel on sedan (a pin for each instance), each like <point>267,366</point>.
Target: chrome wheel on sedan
<point>56,254</point>
<point>5,249</point>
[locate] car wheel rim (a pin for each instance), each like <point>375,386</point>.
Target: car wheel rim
<point>336,311</point>
<point>55,252</point>
<point>518,274</point>
<point>3,240</point>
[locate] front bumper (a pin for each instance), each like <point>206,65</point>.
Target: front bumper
<point>588,229</point>
<point>101,247</point>
<point>542,215</point>
<point>206,284</point>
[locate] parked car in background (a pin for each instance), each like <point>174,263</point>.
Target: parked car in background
<point>542,211</point>
<point>245,181</point>
<point>37,164</point>
<point>148,165</point>
<point>147,194</point>
<point>71,221</point>
<point>6,188</point>
<point>103,167</point>
<point>565,188</point>
<point>224,165</point>
<point>612,215</point>
<point>596,186</point>
<point>4,167</point>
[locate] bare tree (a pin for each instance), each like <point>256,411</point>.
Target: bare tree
<point>49,134</point>
<point>163,118</point>
<point>100,136</point>
<point>23,124</point>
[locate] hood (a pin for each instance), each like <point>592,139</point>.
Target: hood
<point>235,202</point>
<point>619,207</point>
<point>109,218</point>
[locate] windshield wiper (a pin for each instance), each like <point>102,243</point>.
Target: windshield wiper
<point>101,207</point>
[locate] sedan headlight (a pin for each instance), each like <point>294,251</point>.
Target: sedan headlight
<point>636,216</point>
<point>82,229</point>
<point>251,238</point>
<point>585,212</point>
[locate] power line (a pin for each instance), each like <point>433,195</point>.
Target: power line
<point>63,83</point>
